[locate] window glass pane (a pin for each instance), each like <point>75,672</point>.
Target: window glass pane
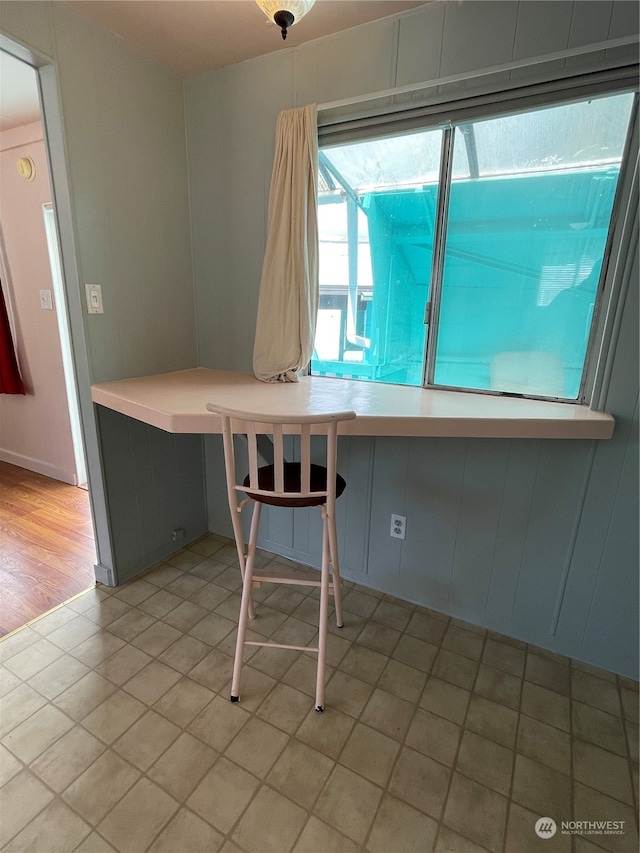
<point>526,234</point>
<point>376,215</point>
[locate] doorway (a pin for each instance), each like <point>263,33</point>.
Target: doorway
<point>48,547</point>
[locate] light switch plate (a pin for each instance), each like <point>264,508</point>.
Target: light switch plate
<point>46,302</point>
<point>94,298</point>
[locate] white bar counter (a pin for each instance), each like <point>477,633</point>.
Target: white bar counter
<point>176,402</point>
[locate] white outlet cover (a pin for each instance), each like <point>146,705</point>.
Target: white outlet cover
<point>398,528</point>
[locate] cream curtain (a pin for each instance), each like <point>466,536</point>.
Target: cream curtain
<point>288,302</point>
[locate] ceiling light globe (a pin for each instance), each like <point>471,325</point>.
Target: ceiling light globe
<point>285,13</point>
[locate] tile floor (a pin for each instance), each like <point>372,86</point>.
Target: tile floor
<point>117,733</point>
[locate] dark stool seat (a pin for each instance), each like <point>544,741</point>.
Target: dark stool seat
<point>292,483</point>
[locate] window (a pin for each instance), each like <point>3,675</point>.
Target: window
<point>469,257</point>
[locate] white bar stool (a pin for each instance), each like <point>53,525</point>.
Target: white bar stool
<point>289,484</point>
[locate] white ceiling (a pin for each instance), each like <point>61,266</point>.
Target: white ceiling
<point>192,37</point>
<point>195,36</point>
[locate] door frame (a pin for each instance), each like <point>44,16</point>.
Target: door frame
<point>45,68</point>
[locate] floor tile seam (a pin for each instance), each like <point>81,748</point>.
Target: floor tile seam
<point>593,670</point>
<point>625,757</point>
<point>385,793</point>
<point>182,800</point>
<point>584,701</point>
<point>605,793</point>
<point>121,687</point>
<point>424,673</point>
<point>629,718</point>
<point>28,717</point>
<point>311,810</point>
<point>158,833</point>
<point>69,650</point>
<point>573,738</point>
<point>520,715</point>
<point>5,658</point>
<point>67,805</point>
<point>454,770</point>
<point>181,806</point>
<point>111,744</point>
<point>59,795</point>
<point>39,812</point>
<point>262,783</point>
<point>625,721</point>
<point>139,775</point>
<point>454,761</point>
<point>511,801</point>
<point>389,775</point>
<point>507,797</point>
<point>382,790</point>
<point>388,655</point>
<point>547,687</point>
<point>627,683</point>
<point>561,730</point>
<point>496,666</point>
<point>52,743</point>
<point>441,716</point>
<point>35,672</point>
<point>442,824</point>
<point>549,654</point>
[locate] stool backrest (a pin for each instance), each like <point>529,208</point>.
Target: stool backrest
<point>254,424</point>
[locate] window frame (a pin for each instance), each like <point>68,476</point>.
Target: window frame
<point>448,111</point>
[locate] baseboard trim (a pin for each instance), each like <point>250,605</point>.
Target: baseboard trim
<point>104,575</point>
<point>39,467</point>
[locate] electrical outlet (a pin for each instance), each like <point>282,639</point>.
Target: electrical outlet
<point>177,535</point>
<point>398,526</point>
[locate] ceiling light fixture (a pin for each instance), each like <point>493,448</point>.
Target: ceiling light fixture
<point>285,13</point>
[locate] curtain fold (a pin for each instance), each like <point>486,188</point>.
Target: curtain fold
<point>10,379</point>
<point>288,302</point>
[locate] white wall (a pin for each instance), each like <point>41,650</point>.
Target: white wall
<point>35,431</point>
<point>535,539</point>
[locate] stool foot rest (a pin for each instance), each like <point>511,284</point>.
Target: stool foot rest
<point>281,646</point>
<point>293,578</point>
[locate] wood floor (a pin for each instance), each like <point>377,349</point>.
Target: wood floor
<point>47,549</point>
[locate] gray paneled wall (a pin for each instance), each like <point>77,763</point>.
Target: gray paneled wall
<point>124,122</point>
<point>536,539</point>
<point>154,485</point>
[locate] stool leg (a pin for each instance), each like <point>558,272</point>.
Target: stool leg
<point>246,605</point>
<point>324,615</point>
<point>335,570</point>
<point>242,559</point>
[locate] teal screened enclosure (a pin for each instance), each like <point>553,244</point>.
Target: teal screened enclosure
<point>471,256</point>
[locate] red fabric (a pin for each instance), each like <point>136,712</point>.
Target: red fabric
<point>10,380</point>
